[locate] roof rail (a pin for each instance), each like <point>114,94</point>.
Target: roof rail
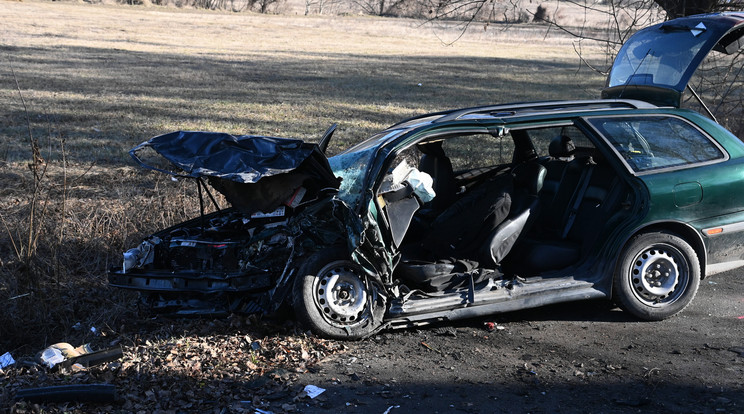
<point>513,109</point>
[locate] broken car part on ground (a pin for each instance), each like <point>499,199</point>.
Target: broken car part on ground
<point>627,198</point>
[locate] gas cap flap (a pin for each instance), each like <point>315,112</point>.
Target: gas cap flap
<point>687,194</point>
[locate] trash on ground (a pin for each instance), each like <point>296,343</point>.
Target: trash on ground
<point>390,408</point>
<point>84,356</point>
<point>427,346</point>
<point>313,391</point>
<point>104,393</point>
<point>6,360</point>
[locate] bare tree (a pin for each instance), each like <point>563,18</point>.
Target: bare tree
<point>383,7</point>
<point>321,6</point>
<point>719,80</point>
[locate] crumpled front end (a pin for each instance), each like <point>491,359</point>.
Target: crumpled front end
<point>241,258</point>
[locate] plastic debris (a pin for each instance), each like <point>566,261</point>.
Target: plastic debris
<point>51,357</point>
<point>6,360</point>
<point>82,356</point>
<point>493,326</point>
<point>313,391</point>
<point>390,408</point>
<point>61,393</point>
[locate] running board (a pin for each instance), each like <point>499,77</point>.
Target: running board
<point>496,296</point>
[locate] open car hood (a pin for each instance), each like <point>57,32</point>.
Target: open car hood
<point>657,62</point>
<point>255,173</point>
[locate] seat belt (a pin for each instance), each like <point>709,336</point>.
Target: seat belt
<point>586,176</point>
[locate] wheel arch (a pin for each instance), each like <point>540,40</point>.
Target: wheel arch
<point>683,230</point>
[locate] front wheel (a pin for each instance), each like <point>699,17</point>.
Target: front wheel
<point>657,276</point>
<point>334,298</point>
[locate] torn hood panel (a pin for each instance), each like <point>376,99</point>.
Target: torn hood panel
<point>255,173</point>
<point>656,63</point>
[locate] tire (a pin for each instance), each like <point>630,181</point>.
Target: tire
<point>334,298</point>
<point>657,276</point>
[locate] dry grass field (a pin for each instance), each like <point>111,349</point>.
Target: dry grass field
<point>88,82</point>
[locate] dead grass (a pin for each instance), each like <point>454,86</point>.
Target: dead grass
<point>104,78</point>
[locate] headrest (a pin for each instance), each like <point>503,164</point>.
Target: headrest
<point>431,148</point>
<point>561,147</point>
<point>530,175</point>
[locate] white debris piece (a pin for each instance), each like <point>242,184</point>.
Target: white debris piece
<point>312,391</point>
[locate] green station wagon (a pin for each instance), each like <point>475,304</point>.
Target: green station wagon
<point>465,212</point>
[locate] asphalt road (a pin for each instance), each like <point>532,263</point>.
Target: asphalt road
<point>576,358</point>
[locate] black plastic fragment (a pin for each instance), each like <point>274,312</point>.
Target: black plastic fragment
<point>99,393</point>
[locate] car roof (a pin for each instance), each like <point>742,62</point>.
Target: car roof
<point>504,112</point>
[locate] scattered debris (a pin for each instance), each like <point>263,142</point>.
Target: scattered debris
<point>493,326</point>
<point>51,356</point>
<point>220,370</point>
<point>390,408</point>
<point>100,393</point>
<point>82,356</point>
<point>429,347</point>
<point>312,391</point>
<point>6,360</point>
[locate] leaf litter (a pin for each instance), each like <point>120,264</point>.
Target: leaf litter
<point>232,365</point>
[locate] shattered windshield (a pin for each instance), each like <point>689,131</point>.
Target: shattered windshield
<point>351,168</point>
<point>352,165</point>
<point>658,57</point>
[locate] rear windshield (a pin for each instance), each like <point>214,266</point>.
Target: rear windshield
<point>657,57</point>
<point>657,142</point>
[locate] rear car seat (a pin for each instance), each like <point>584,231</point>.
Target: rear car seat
<point>570,220</point>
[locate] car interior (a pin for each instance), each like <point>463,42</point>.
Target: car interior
<point>528,203</point>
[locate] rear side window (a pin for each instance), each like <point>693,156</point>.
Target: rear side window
<point>467,152</point>
<point>542,137</point>
<point>657,142</point>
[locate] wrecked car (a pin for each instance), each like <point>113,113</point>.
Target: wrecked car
<point>466,212</point>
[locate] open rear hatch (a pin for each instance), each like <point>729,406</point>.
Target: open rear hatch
<point>656,63</point>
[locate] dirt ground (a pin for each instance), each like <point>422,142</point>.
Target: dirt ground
<point>579,357</point>
<point>571,358</point>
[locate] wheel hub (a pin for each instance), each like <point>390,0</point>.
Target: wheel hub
<point>655,274</point>
<point>341,295</point>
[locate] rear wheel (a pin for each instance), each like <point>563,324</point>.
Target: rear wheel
<point>657,276</point>
<point>334,298</point>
